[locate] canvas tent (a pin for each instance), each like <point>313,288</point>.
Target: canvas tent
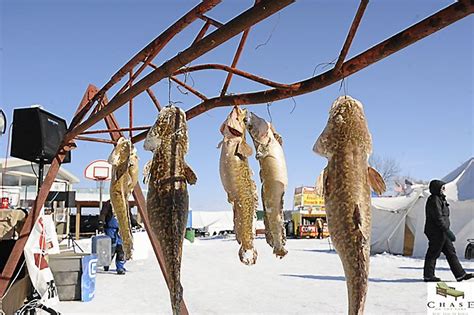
<point>213,221</point>
<point>398,222</point>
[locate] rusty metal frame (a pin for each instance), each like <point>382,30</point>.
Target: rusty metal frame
<point>177,65</point>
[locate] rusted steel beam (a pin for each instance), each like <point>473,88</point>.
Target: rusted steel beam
<point>235,61</point>
<point>243,39</point>
<point>211,21</point>
<point>30,221</point>
<point>154,99</point>
<point>248,18</point>
<point>112,123</point>
<point>234,71</point>
<point>202,32</point>
<point>130,108</point>
<point>189,88</point>
<point>91,132</point>
<point>422,29</point>
<point>153,48</point>
<point>351,34</point>
<point>95,140</point>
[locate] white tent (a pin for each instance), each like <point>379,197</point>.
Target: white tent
<point>398,223</point>
<point>213,221</point>
<point>394,222</point>
<point>460,196</point>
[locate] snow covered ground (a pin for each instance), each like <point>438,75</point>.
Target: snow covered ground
<point>309,280</point>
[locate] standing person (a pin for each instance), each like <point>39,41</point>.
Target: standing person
<point>440,237</point>
<point>319,226</point>
<point>108,223</point>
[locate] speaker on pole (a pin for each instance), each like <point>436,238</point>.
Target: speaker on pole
<point>37,135</point>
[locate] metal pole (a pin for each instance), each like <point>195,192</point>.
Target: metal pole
<point>101,185</point>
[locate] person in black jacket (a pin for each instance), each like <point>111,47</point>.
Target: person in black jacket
<point>440,237</point>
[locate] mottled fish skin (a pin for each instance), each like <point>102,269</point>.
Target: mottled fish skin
<point>124,163</point>
<point>236,177</point>
<point>346,143</point>
<point>167,198</point>
<point>274,178</point>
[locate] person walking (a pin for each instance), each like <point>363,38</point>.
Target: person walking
<point>108,223</point>
<point>440,237</point>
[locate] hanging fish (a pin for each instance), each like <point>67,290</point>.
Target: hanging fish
<point>167,198</point>
<point>274,178</point>
<point>124,161</point>
<point>346,143</point>
<point>236,177</point>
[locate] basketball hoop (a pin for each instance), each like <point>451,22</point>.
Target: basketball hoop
<point>99,170</point>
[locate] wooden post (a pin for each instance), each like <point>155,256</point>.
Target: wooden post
<point>78,222</point>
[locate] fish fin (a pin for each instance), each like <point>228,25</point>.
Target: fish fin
<point>327,187</point>
<point>357,219</point>
<point>146,172</point>
<point>277,136</point>
<point>189,174</point>
<point>243,149</point>
<point>261,151</point>
<point>376,181</point>
<point>219,145</point>
<point>320,146</point>
<point>320,184</point>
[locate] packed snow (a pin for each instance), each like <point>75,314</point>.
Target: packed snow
<point>308,280</point>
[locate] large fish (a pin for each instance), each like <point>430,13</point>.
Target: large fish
<point>274,178</point>
<point>167,198</point>
<point>236,177</point>
<point>124,161</point>
<point>346,143</point>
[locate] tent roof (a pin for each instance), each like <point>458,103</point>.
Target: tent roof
<point>460,182</point>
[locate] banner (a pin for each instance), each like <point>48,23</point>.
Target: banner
<point>36,250</point>
<point>89,268</point>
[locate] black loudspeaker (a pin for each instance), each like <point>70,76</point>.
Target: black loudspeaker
<point>36,135</point>
<point>69,197</point>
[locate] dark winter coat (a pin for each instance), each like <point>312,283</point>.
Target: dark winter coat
<point>437,211</point>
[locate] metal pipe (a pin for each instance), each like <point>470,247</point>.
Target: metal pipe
<point>213,22</point>
<point>130,108</point>
<point>234,71</point>
<point>250,17</point>
<point>90,132</point>
<point>422,29</point>
<point>351,34</point>
<point>153,48</point>
<point>95,140</point>
<point>189,88</point>
<point>202,32</point>
<point>154,99</point>
<point>235,60</point>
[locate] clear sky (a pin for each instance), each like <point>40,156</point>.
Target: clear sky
<point>418,102</point>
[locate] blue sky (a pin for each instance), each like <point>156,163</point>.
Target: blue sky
<point>418,102</point>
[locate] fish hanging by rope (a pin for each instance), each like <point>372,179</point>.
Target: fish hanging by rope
<point>167,198</point>
<point>236,177</point>
<point>274,178</point>
<point>124,161</point>
<point>347,144</point>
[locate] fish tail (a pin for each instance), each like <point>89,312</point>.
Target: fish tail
<point>248,256</point>
<point>274,229</point>
<point>176,295</point>
<point>357,280</point>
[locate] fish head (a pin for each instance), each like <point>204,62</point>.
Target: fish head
<point>170,125</point>
<point>346,129</point>
<point>121,152</point>
<point>234,125</point>
<point>257,127</point>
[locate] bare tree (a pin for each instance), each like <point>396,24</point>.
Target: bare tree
<point>387,167</point>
